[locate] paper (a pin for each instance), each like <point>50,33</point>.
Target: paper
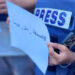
<point>30,34</point>
<point>0,30</point>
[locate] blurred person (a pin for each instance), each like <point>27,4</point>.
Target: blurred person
<point>15,65</point>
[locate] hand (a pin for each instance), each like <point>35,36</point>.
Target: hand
<point>7,22</point>
<point>64,57</point>
<point>3,8</point>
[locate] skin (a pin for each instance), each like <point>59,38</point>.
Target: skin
<point>3,9</point>
<point>64,57</point>
<point>27,4</point>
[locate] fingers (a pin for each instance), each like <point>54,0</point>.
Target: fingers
<point>53,56</point>
<point>56,59</point>
<point>58,46</point>
<point>52,52</point>
<point>7,22</point>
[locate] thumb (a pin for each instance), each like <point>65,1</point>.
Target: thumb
<point>52,52</point>
<point>58,46</point>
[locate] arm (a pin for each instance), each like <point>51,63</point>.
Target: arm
<point>27,4</point>
<point>3,9</point>
<point>24,3</point>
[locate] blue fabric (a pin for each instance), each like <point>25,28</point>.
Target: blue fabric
<point>58,33</point>
<point>38,72</point>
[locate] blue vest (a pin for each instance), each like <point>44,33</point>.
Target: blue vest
<point>58,34</point>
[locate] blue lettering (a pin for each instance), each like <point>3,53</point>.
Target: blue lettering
<point>42,14</point>
<point>47,16</point>
<point>62,18</point>
<point>37,12</point>
<point>54,17</point>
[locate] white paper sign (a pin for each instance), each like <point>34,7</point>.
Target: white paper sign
<point>30,34</point>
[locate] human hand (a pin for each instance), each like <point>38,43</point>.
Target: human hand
<point>64,57</point>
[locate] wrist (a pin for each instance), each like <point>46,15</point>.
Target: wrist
<point>72,60</point>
